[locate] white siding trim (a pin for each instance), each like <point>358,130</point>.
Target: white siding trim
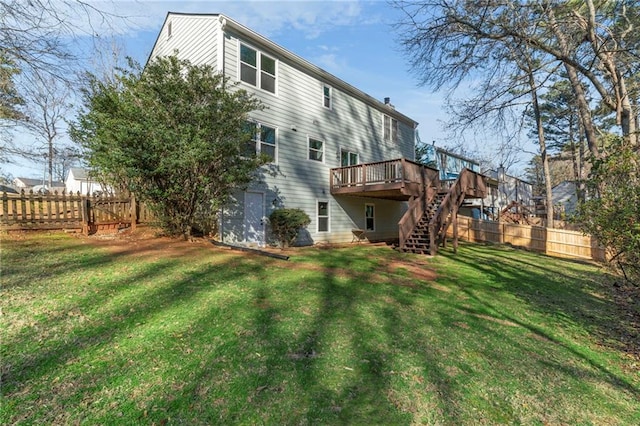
<point>220,46</point>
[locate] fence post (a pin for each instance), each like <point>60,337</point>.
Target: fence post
<point>84,203</point>
<point>134,212</point>
<point>5,207</point>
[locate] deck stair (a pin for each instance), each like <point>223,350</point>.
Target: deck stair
<point>424,226</point>
<point>432,204</point>
<point>419,241</point>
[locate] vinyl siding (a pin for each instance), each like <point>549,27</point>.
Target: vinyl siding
<point>193,37</point>
<point>293,181</point>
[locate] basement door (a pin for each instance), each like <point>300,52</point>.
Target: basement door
<point>254,218</point>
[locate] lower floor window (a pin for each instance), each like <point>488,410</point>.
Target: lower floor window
<point>369,217</point>
<point>323,216</point>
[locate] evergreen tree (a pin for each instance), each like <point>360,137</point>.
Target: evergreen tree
<point>175,134</point>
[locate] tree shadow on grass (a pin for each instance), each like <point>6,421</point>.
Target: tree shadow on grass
<point>306,358</point>
<point>545,289</point>
<point>96,333</point>
<point>337,344</point>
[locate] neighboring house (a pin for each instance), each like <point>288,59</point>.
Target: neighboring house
<point>337,153</point>
<point>36,185</point>
<point>449,164</point>
<point>565,198</point>
<point>80,180</point>
<point>512,193</point>
<point>8,189</point>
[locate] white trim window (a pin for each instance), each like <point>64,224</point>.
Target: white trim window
<point>327,96</point>
<point>322,216</point>
<point>390,129</point>
<point>369,217</point>
<point>316,149</point>
<point>263,141</point>
<point>257,69</point>
<point>348,158</point>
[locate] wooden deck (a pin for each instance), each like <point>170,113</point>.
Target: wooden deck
<point>398,179</point>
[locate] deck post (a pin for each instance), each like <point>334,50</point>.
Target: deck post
<point>403,169</point>
<point>364,175</point>
<point>433,248</point>
<point>455,228</point>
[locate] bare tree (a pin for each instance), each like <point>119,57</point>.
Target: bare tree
<point>35,46</point>
<point>451,41</point>
<point>47,106</point>
<point>529,66</point>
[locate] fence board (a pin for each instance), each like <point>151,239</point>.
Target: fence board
<point>63,211</point>
<point>554,242</point>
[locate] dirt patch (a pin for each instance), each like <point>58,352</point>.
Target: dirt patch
<point>417,271</point>
<point>146,241</point>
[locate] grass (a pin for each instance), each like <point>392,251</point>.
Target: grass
<point>357,335</point>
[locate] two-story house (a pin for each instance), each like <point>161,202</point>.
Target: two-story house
<point>337,153</point>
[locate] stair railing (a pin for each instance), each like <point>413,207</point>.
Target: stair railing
<point>417,207</point>
<point>448,210</point>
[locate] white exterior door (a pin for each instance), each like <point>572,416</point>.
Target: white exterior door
<point>254,218</point>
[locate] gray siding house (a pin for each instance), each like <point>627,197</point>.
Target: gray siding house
<point>314,122</point>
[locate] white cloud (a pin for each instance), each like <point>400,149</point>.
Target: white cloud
<point>269,18</point>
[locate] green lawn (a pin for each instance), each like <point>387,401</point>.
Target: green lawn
<point>356,335</point>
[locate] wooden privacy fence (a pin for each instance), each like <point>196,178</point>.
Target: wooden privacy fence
<point>32,211</point>
<point>554,242</point>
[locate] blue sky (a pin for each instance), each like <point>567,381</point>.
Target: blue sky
<point>353,40</point>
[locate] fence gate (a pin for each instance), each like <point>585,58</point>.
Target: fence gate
<point>30,211</point>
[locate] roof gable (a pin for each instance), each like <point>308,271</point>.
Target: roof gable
<point>281,52</point>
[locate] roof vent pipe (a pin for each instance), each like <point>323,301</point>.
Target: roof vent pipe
<point>387,101</point>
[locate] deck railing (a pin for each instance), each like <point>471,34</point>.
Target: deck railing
<point>399,171</point>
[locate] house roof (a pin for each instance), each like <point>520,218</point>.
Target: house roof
<point>323,75</point>
<point>8,189</point>
<point>79,173</point>
<point>33,182</point>
<point>451,154</point>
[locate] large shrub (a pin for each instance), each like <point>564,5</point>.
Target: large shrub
<point>174,134</point>
<point>612,214</point>
<point>286,223</point>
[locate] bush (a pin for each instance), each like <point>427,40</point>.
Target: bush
<point>612,216</point>
<point>286,223</point>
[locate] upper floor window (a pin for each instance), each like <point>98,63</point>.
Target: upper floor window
<point>264,140</point>
<point>327,99</point>
<point>390,129</point>
<point>169,30</point>
<point>257,69</point>
<point>316,150</point>
<point>348,158</point>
